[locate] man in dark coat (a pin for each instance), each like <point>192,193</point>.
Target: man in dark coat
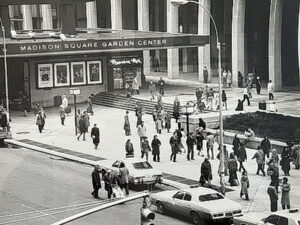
<point>95,134</point>
<point>174,147</point>
<point>190,141</point>
<point>272,192</point>
<point>265,145</point>
<point>155,144</point>
<point>96,181</point>
<point>161,86</point>
<point>242,157</point>
<point>206,174</point>
<point>202,123</point>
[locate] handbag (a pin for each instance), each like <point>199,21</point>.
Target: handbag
<point>68,110</point>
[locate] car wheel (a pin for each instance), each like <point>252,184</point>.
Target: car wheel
<point>161,208</point>
<point>196,218</point>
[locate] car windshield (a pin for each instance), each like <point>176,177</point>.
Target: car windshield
<point>142,165</point>
<point>210,197</point>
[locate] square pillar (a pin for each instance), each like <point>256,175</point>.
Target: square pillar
<point>4,14</point>
<point>68,18</point>
<point>238,40</point>
<point>172,27</point>
<point>27,17</point>
<point>187,63</point>
<point>143,25</point>
<point>275,73</point>
<point>116,14</point>
<point>204,29</point>
<point>46,11</point>
<point>91,15</point>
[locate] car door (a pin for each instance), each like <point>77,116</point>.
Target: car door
<point>175,205</point>
<point>185,204</point>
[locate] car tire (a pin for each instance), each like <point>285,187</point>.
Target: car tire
<point>196,218</point>
<point>161,208</point>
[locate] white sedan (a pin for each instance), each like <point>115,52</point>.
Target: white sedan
<point>140,171</point>
<point>199,203</point>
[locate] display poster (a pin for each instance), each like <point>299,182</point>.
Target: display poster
<point>45,75</point>
<point>94,73</point>
<point>78,74</point>
<point>61,74</point>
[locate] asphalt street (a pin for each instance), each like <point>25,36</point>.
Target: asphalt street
<point>36,189</point>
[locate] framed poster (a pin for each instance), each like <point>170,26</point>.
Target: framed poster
<point>45,75</point>
<point>61,74</point>
<point>94,73</point>
<point>78,76</point>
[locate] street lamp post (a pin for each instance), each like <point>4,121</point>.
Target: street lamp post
<point>187,110</point>
<point>182,2</point>
<point>75,92</point>
<point>5,70</point>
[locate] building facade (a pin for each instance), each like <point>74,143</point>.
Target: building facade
<point>256,36</point>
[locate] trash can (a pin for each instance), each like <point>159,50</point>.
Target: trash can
<point>262,105</point>
<point>57,100</point>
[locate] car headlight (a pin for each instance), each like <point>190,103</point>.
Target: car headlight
<point>139,180</point>
<point>218,215</point>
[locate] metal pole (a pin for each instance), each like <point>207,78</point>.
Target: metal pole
<point>187,124</point>
<point>5,71</point>
<point>75,114</point>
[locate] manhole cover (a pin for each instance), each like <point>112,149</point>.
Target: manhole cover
<point>23,132</point>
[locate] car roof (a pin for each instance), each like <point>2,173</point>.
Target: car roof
<point>286,213</point>
<point>199,190</point>
<point>131,160</point>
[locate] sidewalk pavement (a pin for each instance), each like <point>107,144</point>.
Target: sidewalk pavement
<point>112,140</point>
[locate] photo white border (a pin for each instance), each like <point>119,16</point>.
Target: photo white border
<point>100,72</point>
<point>84,73</point>
<point>55,74</point>
<point>50,82</point>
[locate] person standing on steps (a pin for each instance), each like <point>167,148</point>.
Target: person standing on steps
<point>270,90</point>
<point>96,180</point>
<point>161,86</point>
<point>95,134</point>
<point>126,126</point>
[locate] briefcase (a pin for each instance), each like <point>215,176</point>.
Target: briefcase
<point>68,110</point>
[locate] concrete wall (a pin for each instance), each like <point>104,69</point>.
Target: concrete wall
<point>46,96</point>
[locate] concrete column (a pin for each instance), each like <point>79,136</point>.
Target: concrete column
<point>143,25</point>
<point>276,10</point>
<point>27,17</point>
<point>46,12</point>
<point>172,27</point>
<point>116,14</point>
<point>238,40</point>
<point>187,62</point>
<point>91,15</point>
<point>204,29</point>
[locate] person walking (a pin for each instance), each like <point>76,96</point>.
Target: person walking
<point>158,125</point>
<point>129,149</point>
<point>270,88</point>
<point>236,144</point>
<point>82,127</point>
<point>229,79</point>
<point>174,147</point>
<point>210,144</point>
<point>199,141</point>
<point>138,113</point>
<point>275,156</point>
<point>219,156</point>
<point>90,106</point>
<point>155,144</point>
<point>244,185</point>
<point>206,173</point>
<point>176,109</point>
<point>224,78</point>
<point>246,96</point>
<point>242,157</point>
<point>205,75</point>
<point>260,160</point>
<point>62,115</point>
<point>285,196</point>
<point>108,180</point>
<point>273,196</point>
<point>39,121</point>
<point>126,126</point>
<point>258,85</point>
<point>141,130</point>
<point>161,86</point>
<point>265,145</point>
<point>285,161</point>
<point>199,93</point>
<point>96,180</point>
<point>190,142</point>
<point>152,90</point>
<point>95,135</point>
<point>232,168</point>
<point>210,99</point>
<point>167,121</point>
<point>43,116</point>
<point>296,155</point>
<point>135,86</point>
<point>145,148</point>
<point>124,177</point>
<point>273,172</point>
<point>224,99</point>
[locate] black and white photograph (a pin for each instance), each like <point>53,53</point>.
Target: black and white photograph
<point>45,75</point>
<point>78,73</point>
<point>94,73</point>
<point>139,112</point>
<point>61,74</point>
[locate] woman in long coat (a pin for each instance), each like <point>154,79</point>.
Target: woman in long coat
<point>129,149</point>
<point>176,108</point>
<point>244,185</point>
<point>167,121</point>
<point>232,167</point>
<point>236,145</point>
<point>155,144</point>
<point>82,127</point>
<point>206,174</point>
<point>127,124</point>
<point>285,161</point>
<point>285,196</point>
